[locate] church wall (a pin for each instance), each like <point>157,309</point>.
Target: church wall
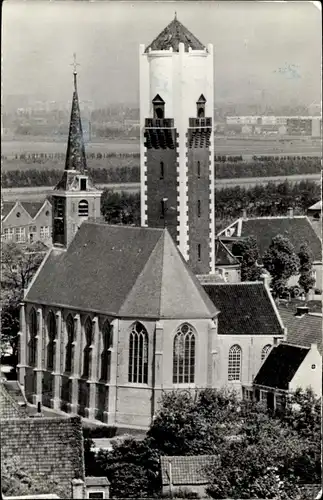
<point>251,346</point>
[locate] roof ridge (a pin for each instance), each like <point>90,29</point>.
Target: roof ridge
<point>128,227</point>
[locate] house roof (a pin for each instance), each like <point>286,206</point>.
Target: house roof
<point>14,389</point>
<point>96,481</point>
<point>186,470</point>
<point>316,206</point>
<point>46,448</point>
<point>223,256</point>
<point>9,407</point>
<point>302,330</point>
<point>297,229</point>
<point>245,308</point>
<point>174,34</point>
<point>6,208</point>
<point>32,207</point>
<point>280,365</point>
<point>140,274</point>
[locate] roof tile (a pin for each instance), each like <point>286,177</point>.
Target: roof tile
<point>302,330</point>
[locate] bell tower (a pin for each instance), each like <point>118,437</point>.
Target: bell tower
<point>177,142</point>
<point>75,198</point>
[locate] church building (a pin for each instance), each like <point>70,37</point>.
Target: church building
<point>116,315</point>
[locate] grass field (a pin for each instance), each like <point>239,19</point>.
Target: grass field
<point>223,145</point>
<point>39,193</point>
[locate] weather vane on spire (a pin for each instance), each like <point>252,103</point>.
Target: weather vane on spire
<point>74,63</point>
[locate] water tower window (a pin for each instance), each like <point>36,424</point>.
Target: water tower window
<point>158,107</point>
<point>199,251</point>
<point>199,208</point>
<point>161,169</point>
<point>163,209</point>
<point>83,184</point>
<point>198,169</point>
<point>201,106</point>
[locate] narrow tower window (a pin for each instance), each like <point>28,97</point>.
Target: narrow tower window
<point>199,251</point>
<point>161,169</point>
<point>199,208</point>
<point>83,184</point>
<point>198,169</point>
<point>163,208</point>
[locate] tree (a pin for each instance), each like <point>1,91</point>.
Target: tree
<point>18,266</point>
<point>306,279</point>
<point>281,261</point>
<point>248,251</point>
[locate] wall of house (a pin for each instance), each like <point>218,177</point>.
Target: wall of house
<point>309,374</point>
<point>251,346</point>
<point>38,228</point>
<point>200,489</point>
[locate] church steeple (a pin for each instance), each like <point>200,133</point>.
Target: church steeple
<point>75,198</point>
<point>75,154</point>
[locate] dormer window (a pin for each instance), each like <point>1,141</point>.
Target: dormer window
<point>158,107</point>
<point>83,184</point>
<point>201,106</point>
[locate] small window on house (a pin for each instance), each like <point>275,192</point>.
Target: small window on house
<point>264,351</point>
<point>18,214</point>
<point>161,169</point>
<point>83,209</point>
<point>83,185</point>
<point>198,169</point>
<point>47,213</point>
<point>199,208</point>
<point>199,251</point>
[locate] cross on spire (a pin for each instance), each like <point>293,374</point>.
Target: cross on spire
<point>74,64</point>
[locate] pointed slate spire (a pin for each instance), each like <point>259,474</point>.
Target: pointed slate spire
<point>75,154</point>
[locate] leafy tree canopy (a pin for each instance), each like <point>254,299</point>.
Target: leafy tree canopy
<point>281,261</point>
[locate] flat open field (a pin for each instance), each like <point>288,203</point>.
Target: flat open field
<point>39,193</point>
<point>223,145</point>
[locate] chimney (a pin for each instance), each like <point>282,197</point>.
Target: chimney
<point>265,278</point>
<point>244,214</point>
<point>290,212</point>
<point>301,310</point>
<point>314,346</point>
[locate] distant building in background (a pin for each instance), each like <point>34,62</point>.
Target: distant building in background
<point>282,125</point>
<point>26,222</point>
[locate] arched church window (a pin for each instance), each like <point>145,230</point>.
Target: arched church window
<point>184,355</point>
<point>83,209</point>
<point>107,339</point>
<point>70,331</point>
<point>234,367</point>
<point>87,352</point>
<point>51,337</point>
<point>32,344</point>
<point>264,351</point>
<point>138,354</point>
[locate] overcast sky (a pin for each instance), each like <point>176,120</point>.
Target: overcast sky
<point>271,47</point>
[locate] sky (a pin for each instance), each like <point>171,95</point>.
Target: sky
<point>268,49</point>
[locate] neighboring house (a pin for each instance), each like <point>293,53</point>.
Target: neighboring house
<point>298,229</point>
<point>287,368</point>
<point>315,210</point>
<point>226,264</point>
<point>303,327</point>
<point>26,222</point>
<point>49,449</point>
<point>248,326</point>
<point>185,473</point>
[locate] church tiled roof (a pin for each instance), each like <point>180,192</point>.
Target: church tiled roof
<point>174,34</point>
<point>123,271</point>
<point>245,308</point>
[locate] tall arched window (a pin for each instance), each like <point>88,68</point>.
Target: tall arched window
<point>32,344</point>
<point>106,351</point>
<point>264,351</point>
<point>51,336</point>
<point>234,368</point>
<point>83,208</point>
<point>87,352</point>
<point>70,331</point>
<point>138,354</point>
<point>184,355</point>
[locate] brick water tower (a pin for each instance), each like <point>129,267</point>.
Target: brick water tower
<point>177,142</point>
